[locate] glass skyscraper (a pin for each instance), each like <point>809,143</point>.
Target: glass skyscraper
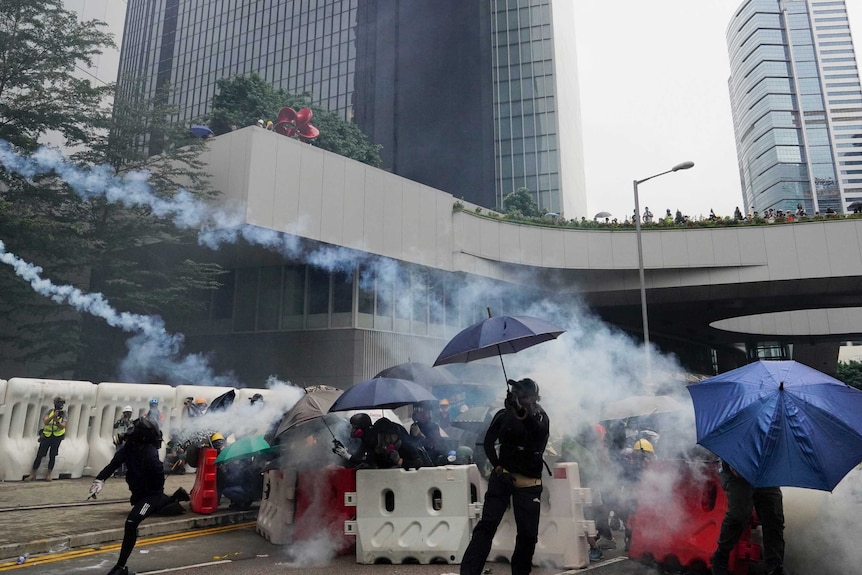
<point>477,99</point>
<point>797,105</point>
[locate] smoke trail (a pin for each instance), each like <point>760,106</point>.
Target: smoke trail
<point>216,225</point>
<point>151,351</point>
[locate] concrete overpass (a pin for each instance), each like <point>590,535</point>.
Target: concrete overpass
<point>799,283</point>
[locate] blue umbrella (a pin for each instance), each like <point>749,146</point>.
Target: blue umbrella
<point>381,393</point>
<point>199,131</point>
<point>781,423</point>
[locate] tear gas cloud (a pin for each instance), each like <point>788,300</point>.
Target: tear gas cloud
<point>589,366</point>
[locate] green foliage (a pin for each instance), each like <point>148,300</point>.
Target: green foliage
<point>89,244</point>
<point>521,203</point>
<point>40,45</point>
<point>243,100</point>
<point>850,372</point>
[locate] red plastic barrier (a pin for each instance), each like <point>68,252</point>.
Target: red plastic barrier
<point>320,509</point>
<point>683,533</point>
<point>204,495</point>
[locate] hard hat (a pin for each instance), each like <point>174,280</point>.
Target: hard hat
<point>216,436</point>
<point>643,445</point>
<point>444,402</point>
<point>127,409</point>
<point>154,401</point>
<point>260,122</point>
<point>200,400</point>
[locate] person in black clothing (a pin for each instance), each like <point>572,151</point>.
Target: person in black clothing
<point>145,477</point>
<point>426,433</point>
<point>522,429</point>
<point>741,498</point>
<point>360,429</point>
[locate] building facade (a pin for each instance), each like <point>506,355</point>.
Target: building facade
<point>476,98</point>
<point>797,105</point>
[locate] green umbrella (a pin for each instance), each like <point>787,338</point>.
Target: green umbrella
<point>244,447</point>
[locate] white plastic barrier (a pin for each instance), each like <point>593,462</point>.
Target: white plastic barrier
<point>278,505</point>
<point>110,399</point>
<point>180,418</point>
<point>25,402</point>
<point>424,515</point>
<point>562,527</point>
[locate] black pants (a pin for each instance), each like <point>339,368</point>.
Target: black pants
<point>741,498</point>
<point>526,505</point>
<point>160,504</point>
<point>49,446</point>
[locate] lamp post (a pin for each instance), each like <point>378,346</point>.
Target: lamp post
<point>676,168</point>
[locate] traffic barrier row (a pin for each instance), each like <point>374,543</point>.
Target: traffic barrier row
<point>92,410</point>
<point>278,506</point>
<point>424,515</point>
<point>562,528</point>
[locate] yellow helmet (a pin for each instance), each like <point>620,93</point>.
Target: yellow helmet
<point>444,402</point>
<point>200,400</point>
<point>643,445</point>
<point>216,436</point>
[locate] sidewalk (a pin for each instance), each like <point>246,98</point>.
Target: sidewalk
<point>37,531</point>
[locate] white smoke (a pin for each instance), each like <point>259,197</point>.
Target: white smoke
<point>153,351</point>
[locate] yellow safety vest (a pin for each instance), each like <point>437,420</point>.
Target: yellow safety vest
<point>52,428</point>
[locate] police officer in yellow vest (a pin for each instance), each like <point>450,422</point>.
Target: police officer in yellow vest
<point>53,432</point>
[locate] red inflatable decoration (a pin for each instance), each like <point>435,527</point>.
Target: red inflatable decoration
<point>292,123</point>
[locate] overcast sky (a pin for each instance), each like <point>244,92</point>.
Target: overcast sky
<point>653,80</point>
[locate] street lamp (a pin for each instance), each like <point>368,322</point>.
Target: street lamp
<point>676,168</point>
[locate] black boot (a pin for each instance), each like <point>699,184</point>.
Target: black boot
<point>117,570</point>
<point>181,495</point>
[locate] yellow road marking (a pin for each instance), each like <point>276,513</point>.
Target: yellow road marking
<point>88,551</point>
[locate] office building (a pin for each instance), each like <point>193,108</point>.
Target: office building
<point>477,99</point>
<point>797,105</point>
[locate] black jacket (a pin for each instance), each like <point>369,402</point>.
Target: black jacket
<point>145,473</point>
<point>522,442</point>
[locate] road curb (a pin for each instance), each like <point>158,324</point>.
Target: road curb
<point>146,529</point>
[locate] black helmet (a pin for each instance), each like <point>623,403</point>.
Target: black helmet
<point>360,421</point>
<point>525,388</point>
<point>59,402</point>
<point>144,430</point>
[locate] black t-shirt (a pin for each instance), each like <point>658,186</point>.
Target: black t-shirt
<point>522,441</point>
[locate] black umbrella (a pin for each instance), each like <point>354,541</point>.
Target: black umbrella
<point>382,393</point>
<point>222,402</point>
<point>603,215</point>
<point>424,375</point>
<point>497,336</point>
<point>475,419</point>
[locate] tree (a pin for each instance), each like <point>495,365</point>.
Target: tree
<point>850,372</point>
<point>521,203</point>
<point>243,100</point>
<point>90,244</point>
<point>40,45</point>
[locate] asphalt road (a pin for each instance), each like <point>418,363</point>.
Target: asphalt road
<point>238,550</point>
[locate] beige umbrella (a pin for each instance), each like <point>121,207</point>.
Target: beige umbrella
<point>640,405</point>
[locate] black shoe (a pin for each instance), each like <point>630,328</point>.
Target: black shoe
<point>117,570</point>
<point>181,495</point>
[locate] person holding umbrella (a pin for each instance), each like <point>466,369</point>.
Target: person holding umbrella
<point>741,498</point>
<point>522,429</point>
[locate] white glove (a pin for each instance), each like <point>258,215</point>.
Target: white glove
<point>341,451</point>
<point>96,487</point>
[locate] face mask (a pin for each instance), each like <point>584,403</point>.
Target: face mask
<point>357,433</point>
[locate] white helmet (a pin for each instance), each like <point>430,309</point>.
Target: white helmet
<point>127,409</point>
